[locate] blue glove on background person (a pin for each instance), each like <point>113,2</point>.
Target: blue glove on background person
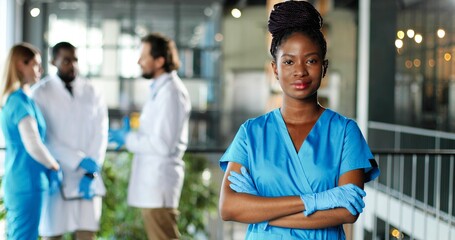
<point>242,183</point>
<point>84,187</point>
<point>118,135</point>
<point>347,196</point>
<point>55,180</point>
<point>92,168</point>
<point>89,165</point>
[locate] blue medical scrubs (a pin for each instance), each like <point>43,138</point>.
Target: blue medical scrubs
<point>334,146</point>
<point>25,180</point>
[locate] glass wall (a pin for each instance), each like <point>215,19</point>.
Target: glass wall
<point>425,72</point>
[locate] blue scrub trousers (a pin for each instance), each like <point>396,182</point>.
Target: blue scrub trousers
<point>23,212</point>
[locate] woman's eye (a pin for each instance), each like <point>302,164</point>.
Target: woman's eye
<point>311,61</point>
<point>288,62</point>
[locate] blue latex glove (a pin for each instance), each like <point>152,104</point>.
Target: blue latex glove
<point>118,135</point>
<point>89,165</point>
<point>347,196</point>
<point>84,187</point>
<point>55,180</point>
<point>242,183</point>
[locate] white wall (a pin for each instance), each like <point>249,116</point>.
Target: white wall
<point>342,54</point>
<point>3,31</point>
<point>250,91</point>
<point>245,58</point>
<point>244,44</point>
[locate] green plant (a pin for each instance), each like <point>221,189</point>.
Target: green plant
<point>2,206</point>
<point>198,197</point>
<point>119,221</point>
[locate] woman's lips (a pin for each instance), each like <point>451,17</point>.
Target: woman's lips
<point>301,84</point>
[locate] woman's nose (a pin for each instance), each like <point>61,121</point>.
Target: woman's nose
<point>300,69</point>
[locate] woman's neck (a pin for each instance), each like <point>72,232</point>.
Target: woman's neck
<point>301,112</point>
<point>26,88</point>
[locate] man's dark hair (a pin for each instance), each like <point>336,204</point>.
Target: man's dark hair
<point>162,46</point>
<point>61,45</point>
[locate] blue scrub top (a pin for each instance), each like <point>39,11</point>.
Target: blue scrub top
<point>23,175</point>
<point>335,145</point>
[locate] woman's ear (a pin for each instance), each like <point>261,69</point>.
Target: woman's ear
<point>275,70</point>
<point>325,65</point>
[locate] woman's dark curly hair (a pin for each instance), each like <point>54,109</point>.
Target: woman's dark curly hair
<point>289,17</point>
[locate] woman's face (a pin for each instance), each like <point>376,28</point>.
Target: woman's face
<point>299,66</point>
<point>31,71</point>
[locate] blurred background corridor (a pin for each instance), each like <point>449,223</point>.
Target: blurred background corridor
<point>391,69</point>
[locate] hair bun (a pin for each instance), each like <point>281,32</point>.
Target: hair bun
<point>293,14</point>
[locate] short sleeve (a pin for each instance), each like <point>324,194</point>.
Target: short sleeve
<point>357,154</point>
<point>20,107</point>
<point>237,151</point>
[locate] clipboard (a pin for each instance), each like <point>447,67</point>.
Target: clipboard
<point>71,192</point>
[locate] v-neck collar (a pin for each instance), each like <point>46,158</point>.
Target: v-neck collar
<point>61,84</point>
<point>287,137</point>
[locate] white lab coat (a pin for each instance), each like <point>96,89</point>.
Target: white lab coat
<point>159,144</point>
<point>77,127</point>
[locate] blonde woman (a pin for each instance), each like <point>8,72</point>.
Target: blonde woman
<point>30,169</point>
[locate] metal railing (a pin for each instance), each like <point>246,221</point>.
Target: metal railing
<point>422,179</point>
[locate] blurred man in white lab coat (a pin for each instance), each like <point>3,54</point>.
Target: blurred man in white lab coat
<point>160,142</point>
<point>77,129</point>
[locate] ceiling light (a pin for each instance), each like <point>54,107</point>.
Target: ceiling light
<point>441,33</point>
<point>398,43</point>
<point>410,33</point>
<point>418,38</point>
<point>235,12</point>
<point>34,12</point>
